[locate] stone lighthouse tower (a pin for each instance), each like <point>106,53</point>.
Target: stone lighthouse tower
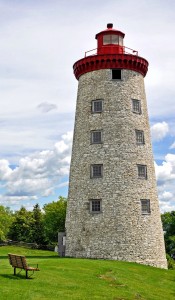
<point>113,210</point>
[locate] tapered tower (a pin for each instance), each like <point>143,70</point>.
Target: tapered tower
<point>113,210</point>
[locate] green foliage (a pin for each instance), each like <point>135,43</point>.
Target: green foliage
<point>171,262</point>
<point>83,279</point>
<point>20,229</point>
<point>168,221</point>
<point>37,226</point>
<point>6,218</point>
<point>54,219</point>
<point>28,226</point>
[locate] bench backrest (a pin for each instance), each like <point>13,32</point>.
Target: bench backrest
<point>17,261</point>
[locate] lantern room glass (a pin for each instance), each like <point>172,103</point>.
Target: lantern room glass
<point>112,39</point>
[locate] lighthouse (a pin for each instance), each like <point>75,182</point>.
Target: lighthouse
<point>113,208</point>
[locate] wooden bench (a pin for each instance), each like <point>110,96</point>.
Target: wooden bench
<point>18,261</point>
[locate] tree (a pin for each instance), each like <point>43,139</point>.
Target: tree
<point>37,229</point>
<point>6,218</point>
<point>20,229</point>
<point>168,221</point>
<point>54,218</point>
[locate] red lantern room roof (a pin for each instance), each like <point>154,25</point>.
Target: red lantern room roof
<point>110,30</point>
<point>110,54</point>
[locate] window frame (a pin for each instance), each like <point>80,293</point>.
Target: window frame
<point>144,176</point>
<point>92,175</point>
<point>145,203</point>
<point>93,106</point>
<point>94,204</point>
<point>138,140</point>
<point>139,111</point>
<point>92,137</point>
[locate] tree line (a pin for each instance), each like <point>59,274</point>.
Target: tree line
<point>40,226</point>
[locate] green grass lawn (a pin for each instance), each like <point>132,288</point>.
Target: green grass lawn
<point>82,279</point>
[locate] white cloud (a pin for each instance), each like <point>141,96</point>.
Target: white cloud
<point>159,131</point>
<point>5,171</point>
<point>36,175</point>
<point>166,206</point>
<point>25,134</point>
<point>165,174</point>
<point>166,196</point>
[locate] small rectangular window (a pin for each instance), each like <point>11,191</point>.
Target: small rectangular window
<point>96,171</point>
<point>136,106</point>
<point>97,106</point>
<point>116,74</point>
<point>96,136</point>
<point>95,205</point>
<point>142,171</point>
<point>145,206</point>
<point>140,137</point>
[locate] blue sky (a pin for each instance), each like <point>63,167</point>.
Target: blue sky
<point>39,43</point>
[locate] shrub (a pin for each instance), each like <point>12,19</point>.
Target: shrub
<point>171,262</point>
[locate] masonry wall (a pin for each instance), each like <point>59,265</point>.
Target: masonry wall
<point>120,231</point>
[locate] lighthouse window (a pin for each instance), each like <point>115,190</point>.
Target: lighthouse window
<point>110,39</point>
<point>140,137</point>
<point>136,106</point>
<point>142,171</point>
<point>145,206</point>
<point>95,206</point>
<point>96,171</point>
<point>96,136</point>
<point>116,74</point>
<point>97,106</point>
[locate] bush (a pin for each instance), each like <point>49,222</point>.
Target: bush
<point>171,262</point>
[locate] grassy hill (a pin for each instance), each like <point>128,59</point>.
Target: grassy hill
<point>82,279</point>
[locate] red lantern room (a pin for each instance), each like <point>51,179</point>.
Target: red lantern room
<point>110,41</point>
<point>110,54</point>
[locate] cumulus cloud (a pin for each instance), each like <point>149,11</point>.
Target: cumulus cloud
<point>166,196</point>
<point>36,175</point>
<point>159,131</point>
<point>166,206</point>
<point>46,107</point>
<point>165,174</point>
<point>167,200</point>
